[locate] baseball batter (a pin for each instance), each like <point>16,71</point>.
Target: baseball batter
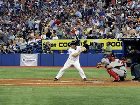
<point>73,59</point>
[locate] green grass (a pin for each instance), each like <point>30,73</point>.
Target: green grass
<point>50,73</point>
<point>64,95</point>
<point>69,95</point>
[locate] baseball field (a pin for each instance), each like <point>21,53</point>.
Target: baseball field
<point>35,86</point>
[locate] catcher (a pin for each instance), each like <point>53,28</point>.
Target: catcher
<point>116,68</point>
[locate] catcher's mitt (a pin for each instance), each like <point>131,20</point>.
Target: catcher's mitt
<point>99,65</point>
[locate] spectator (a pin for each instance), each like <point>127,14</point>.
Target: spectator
<point>54,36</point>
<point>108,49</point>
<point>1,48</point>
<point>47,47</point>
<point>97,47</point>
<point>23,45</point>
<point>92,19</point>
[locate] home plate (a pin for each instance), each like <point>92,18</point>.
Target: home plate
<point>65,81</point>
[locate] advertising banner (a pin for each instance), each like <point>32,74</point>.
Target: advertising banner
<point>64,44</point>
<point>28,59</point>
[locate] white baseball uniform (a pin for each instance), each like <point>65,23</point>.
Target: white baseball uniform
<point>105,61</point>
<point>117,62</point>
<point>72,61</point>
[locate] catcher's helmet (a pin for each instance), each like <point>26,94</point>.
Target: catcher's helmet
<point>111,55</point>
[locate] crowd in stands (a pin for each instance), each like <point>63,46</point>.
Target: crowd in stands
<point>24,23</point>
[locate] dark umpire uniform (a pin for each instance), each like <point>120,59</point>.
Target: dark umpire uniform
<point>135,67</point>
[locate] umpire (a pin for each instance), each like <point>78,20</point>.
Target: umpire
<point>135,67</point>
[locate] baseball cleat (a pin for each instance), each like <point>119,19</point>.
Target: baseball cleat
<point>116,81</point>
<point>84,79</point>
<point>55,79</point>
<point>135,79</point>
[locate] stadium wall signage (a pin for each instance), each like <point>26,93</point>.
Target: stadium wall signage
<point>64,44</point>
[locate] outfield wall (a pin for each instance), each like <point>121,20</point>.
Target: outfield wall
<point>51,59</point>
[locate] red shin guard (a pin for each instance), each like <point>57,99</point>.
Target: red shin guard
<point>113,74</point>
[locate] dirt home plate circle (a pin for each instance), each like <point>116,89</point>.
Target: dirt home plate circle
<point>69,82</point>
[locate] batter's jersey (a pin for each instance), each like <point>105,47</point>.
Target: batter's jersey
<point>72,51</point>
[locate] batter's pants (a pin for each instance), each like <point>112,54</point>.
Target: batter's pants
<point>68,64</point>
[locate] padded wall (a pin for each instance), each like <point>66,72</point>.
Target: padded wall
<point>50,59</point>
<point>10,59</point>
<point>45,60</point>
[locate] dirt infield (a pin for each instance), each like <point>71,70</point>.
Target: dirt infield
<point>67,82</point>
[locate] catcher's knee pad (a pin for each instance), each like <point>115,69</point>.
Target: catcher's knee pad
<point>113,74</point>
